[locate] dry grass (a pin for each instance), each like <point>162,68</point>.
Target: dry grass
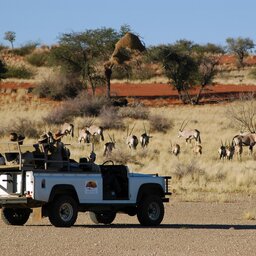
<point>195,178</point>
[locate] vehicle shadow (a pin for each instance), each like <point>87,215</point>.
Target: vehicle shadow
<point>175,226</point>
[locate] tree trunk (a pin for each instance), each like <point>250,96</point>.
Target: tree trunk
<point>108,73</point>
<point>198,96</point>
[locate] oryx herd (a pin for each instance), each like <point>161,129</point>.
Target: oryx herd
<point>235,148</point>
<point>95,134</point>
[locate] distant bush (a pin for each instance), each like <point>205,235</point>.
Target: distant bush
<point>2,47</point>
<point>81,106</point>
<point>26,49</point>
<point>24,127</point>
<point>252,73</point>
<point>109,119</point>
<point>18,72</point>
<point>121,72</point>
<point>58,87</point>
<point>136,112</point>
<point>38,59</point>
<point>160,124</point>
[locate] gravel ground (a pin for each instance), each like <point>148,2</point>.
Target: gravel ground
<point>187,229</point>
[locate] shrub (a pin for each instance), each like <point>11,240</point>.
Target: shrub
<point>160,124</point>
<point>191,169</point>
<point>26,49</point>
<point>109,119</point>
<point>18,72</point>
<point>58,87</point>
<point>136,112</point>
<point>38,59</point>
<point>82,105</point>
<point>25,127</point>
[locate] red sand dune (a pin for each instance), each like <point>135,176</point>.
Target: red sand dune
<point>159,94</point>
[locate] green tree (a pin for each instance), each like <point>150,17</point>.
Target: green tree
<point>10,36</point>
<point>186,67</point>
<point>240,47</point>
<point>79,53</point>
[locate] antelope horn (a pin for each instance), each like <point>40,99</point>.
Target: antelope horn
<point>132,130</point>
<point>182,125</point>
<point>144,128</point>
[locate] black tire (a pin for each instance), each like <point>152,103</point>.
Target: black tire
<point>15,216</point>
<point>63,211</point>
<point>106,217</point>
<point>150,211</point>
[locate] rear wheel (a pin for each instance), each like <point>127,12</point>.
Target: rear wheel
<point>15,216</point>
<point>150,211</point>
<point>63,211</point>
<point>106,217</point>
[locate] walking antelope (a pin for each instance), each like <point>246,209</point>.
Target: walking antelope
<point>248,140</point>
<point>109,146</point>
<point>144,138</point>
<point>67,128</point>
<point>131,140</point>
<point>189,134</point>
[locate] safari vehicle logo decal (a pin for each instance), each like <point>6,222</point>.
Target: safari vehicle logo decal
<point>91,187</point>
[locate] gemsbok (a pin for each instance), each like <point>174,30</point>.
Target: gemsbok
<point>84,135</point>
<point>67,129</point>
<point>131,140</point>
<point>238,151</point>
<point>230,150</point>
<point>96,132</point>
<point>109,146</point>
<point>198,149</point>
<point>189,134</point>
<point>248,140</point>
<point>222,151</point>
<point>144,138</point>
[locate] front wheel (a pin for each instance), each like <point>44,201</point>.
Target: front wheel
<point>150,211</point>
<point>15,216</point>
<point>63,211</point>
<point>106,217</point>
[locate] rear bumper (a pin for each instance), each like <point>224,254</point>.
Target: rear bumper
<point>18,201</point>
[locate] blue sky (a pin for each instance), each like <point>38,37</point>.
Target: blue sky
<point>156,21</point>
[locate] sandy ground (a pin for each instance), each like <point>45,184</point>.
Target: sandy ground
<point>188,228</point>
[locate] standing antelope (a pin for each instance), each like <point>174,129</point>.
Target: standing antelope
<point>175,149</point>
<point>230,150</point>
<point>96,131</point>
<point>239,151</point>
<point>198,149</point>
<point>144,138</point>
<point>67,128</point>
<point>109,146</point>
<point>245,140</point>
<point>222,151</point>
<point>131,140</point>
<point>189,134</point>
<point>84,135</point>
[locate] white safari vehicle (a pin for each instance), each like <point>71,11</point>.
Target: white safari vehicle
<point>33,181</point>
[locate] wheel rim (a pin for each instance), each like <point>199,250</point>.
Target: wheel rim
<point>153,211</point>
<point>66,212</point>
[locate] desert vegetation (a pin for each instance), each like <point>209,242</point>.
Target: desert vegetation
<point>66,78</point>
<point>195,177</point>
